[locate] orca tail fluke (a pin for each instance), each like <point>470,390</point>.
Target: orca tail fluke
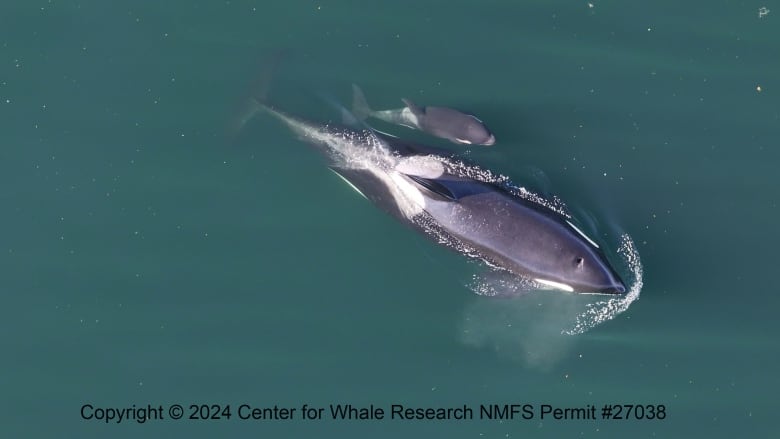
<point>257,97</point>
<point>360,107</point>
<point>243,114</point>
<point>261,85</point>
<point>349,118</point>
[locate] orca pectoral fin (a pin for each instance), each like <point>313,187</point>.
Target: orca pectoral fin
<point>353,177</point>
<point>417,111</point>
<point>372,188</point>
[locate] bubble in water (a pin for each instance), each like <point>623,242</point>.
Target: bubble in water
<point>500,283</point>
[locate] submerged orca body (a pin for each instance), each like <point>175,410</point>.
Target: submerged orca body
<point>479,218</point>
<point>442,122</point>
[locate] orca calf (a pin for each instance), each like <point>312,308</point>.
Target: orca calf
<point>442,122</point>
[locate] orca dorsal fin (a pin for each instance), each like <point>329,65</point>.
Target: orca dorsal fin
<point>452,189</point>
<point>434,186</point>
<point>360,107</point>
<point>416,110</point>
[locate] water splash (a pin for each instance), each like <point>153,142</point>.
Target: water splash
<point>602,311</point>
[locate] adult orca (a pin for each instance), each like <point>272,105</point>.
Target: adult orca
<point>478,218</point>
<point>442,122</point>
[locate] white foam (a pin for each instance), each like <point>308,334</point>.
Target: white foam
<point>408,198</point>
<point>420,166</point>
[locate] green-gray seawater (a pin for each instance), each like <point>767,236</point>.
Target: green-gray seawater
<point>148,258</point>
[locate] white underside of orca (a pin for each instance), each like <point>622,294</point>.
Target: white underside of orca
<point>555,285</point>
<point>410,118</point>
